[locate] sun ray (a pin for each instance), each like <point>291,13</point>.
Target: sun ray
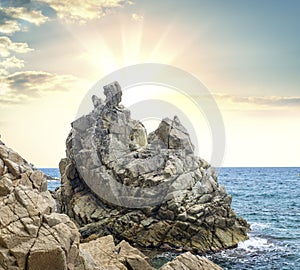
<point>156,52</point>
<point>132,33</point>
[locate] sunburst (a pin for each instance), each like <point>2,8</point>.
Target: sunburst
<point>128,49</point>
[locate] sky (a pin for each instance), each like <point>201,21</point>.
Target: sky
<point>247,53</point>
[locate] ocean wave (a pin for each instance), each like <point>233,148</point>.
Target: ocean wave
<point>256,226</point>
<point>53,184</point>
<point>255,253</point>
<point>255,244</point>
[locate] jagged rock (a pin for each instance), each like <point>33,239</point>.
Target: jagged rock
<point>113,94</point>
<point>32,236</point>
<point>173,135</point>
<point>188,261</point>
<point>149,191</point>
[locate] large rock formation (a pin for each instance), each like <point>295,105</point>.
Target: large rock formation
<point>34,237</point>
<point>148,190</point>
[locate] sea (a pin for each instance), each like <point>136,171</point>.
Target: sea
<point>269,199</point>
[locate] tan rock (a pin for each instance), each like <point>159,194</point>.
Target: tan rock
<point>131,256</point>
<point>15,157</point>
<point>2,167</point>
<point>3,152</point>
<point>188,261</point>
<point>105,254</point>
<point>38,179</point>
<point>47,259</point>
<point>6,186</point>
<point>32,236</point>
<point>13,167</point>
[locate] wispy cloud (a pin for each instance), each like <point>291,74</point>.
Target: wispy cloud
<point>7,46</point>
<point>11,18</point>
<point>82,11</point>
<point>137,17</point>
<point>8,26</point>
<point>34,81</point>
<point>273,101</point>
<point>23,86</point>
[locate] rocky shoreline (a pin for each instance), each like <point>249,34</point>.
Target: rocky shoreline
<point>33,236</point>
<point>192,213</point>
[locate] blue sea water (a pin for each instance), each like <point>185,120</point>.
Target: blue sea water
<point>269,199</point>
<point>55,174</point>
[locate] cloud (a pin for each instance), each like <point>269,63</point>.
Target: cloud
<point>8,26</point>
<point>11,63</point>
<point>7,46</point>
<point>11,18</point>
<point>136,17</point>
<point>82,11</point>
<point>273,101</point>
<point>23,86</point>
<point>35,81</point>
<point>32,16</point>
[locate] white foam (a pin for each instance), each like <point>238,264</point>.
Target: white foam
<point>255,226</point>
<point>255,244</point>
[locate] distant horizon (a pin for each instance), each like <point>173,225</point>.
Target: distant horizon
<point>212,166</point>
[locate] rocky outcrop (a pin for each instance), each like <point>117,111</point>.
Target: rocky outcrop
<point>188,261</point>
<point>148,190</point>
<point>32,235</point>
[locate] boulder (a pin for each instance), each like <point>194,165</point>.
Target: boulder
<point>188,261</point>
<point>106,254</point>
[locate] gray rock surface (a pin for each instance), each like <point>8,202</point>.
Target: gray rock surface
<point>148,190</point>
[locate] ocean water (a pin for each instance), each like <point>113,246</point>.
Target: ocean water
<point>54,173</point>
<point>269,199</point>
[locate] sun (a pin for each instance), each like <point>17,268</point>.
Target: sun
<point>107,47</point>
